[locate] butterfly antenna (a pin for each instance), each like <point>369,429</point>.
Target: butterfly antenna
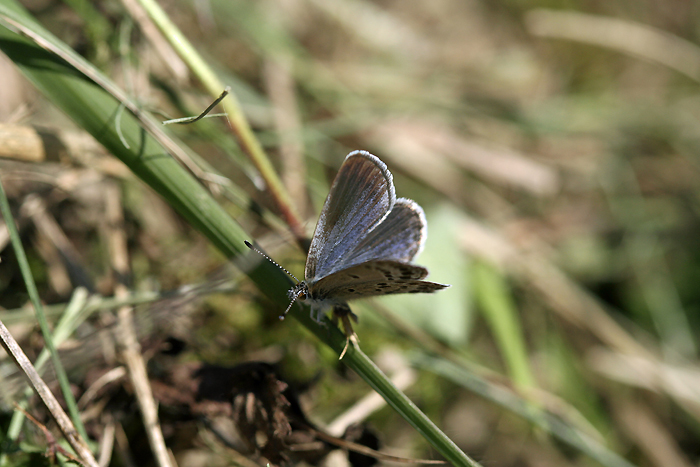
<point>249,245</point>
<point>284,315</point>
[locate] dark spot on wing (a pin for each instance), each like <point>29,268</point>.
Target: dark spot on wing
<point>354,276</point>
<point>385,272</point>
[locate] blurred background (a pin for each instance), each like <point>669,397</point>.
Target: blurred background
<point>553,145</point>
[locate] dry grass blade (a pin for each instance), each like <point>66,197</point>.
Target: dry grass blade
<point>237,121</point>
<point>625,36</point>
<point>130,349</point>
<point>63,421</point>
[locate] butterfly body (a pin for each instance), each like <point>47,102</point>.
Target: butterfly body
<point>364,242</point>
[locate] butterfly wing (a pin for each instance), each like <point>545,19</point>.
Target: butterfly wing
<point>400,236</point>
<point>360,198</point>
<point>372,278</point>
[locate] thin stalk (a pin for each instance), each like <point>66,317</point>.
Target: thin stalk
<point>41,318</point>
<point>67,324</point>
<point>237,120</point>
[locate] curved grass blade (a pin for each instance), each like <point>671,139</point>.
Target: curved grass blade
<point>93,109</point>
<point>548,422</point>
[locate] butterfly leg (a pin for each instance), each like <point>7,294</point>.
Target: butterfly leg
<point>344,314</point>
<point>317,313</point>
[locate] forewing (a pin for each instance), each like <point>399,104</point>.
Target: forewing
<point>400,236</point>
<point>371,279</point>
<point>361,196</point>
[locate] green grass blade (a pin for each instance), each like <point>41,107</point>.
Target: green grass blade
<point>546,421</point>
<point>550,423</point>
<point>499,311</point>
<point>246,138</point>
<point>41,318</point>
<point>67,324</point>
<point>94,109</point>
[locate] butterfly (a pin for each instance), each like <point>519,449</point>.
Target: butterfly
<point>363,245</point>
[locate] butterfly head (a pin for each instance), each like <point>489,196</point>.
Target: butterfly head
<point>299,292</point>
